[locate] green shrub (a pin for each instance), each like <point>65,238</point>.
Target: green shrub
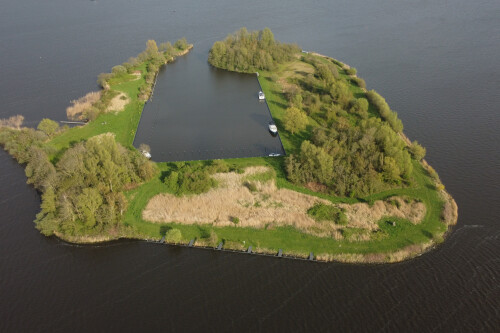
<point>49,127</point>
<point>359,82</point>
<point>262,177</point>
<point>322,212</point>
<point>181,44</point>
<point>119,70</point>
<point>417,151</point>
<point>351,71</point>
<point>189,179</point>
<point>385,112</point>
<point>251,186</point>
<point>173,236</point>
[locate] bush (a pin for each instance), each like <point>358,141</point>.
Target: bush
<point>417,151</point>
<point>322,212</point>
<point>49,127</point>
<point>385,112</point>
<point>218,166</point>
<point>351,71</point>
<point>118,70</point>
<point>173,236</point>
<point>251,186</point>
<point>102,79</point>
<point>189,179</point>
<point>295,120</point>
<point>359,81</point>
<point>181,44</point>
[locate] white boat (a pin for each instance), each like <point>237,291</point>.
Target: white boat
<point>146,154</point>
<point>261,96</point>
<point>273,128</point>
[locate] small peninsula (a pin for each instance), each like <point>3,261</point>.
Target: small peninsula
<point>351,188</point>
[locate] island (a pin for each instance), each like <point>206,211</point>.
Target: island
<point>351,188</point>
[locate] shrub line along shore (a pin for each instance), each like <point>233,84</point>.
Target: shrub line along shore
<point>131,205</point>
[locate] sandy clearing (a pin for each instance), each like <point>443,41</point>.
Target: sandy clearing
<point>268,207</point>
<point>118,103</point>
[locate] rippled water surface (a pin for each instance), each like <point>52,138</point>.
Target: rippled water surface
<point>436,62</point>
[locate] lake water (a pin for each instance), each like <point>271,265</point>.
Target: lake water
<point>436,63</point>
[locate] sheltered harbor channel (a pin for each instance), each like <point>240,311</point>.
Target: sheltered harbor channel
<point>198,112</point>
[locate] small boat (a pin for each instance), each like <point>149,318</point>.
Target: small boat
<point>274,155</point>
<point>146,154</point>
<point>273,128</point>
<point>261,96</point>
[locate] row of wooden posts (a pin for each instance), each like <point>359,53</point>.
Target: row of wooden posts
<point>249,250</point>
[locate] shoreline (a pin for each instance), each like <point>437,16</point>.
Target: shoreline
<point>403,254</point>
<point>347,258</point>
<point>384,256</point>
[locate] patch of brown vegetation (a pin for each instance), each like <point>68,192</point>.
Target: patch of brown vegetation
<point>267,207</point>
<point>118,103</point>
<point>405,253</point>
<point>14,122</point>
<point>80,106</point>
<point>137,75</point>
<point>316,187</point>
<point>450,209</point>
<point>361,215</point>
<point>86,239</point>
<point>297,69</point>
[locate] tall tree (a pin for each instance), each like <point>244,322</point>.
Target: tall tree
<point>295,120</point>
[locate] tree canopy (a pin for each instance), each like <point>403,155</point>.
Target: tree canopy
<point>248,52</point>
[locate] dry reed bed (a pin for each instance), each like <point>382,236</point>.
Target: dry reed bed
<point>14,122</point>
<point>268,207</point>
<point>81,105</point>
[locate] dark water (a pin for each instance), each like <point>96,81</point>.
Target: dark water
<point>198,112</point>
<point>436,62</point>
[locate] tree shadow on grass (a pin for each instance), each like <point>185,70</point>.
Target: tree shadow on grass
<point>427,234</point>
<point>164,229</point>
<point>204,232</point>
<point>278,104</point>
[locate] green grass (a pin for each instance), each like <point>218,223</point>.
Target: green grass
<point>322,212</point>
<point>123,124</point>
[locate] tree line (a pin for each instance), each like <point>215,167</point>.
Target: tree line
<point>248,52</point>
